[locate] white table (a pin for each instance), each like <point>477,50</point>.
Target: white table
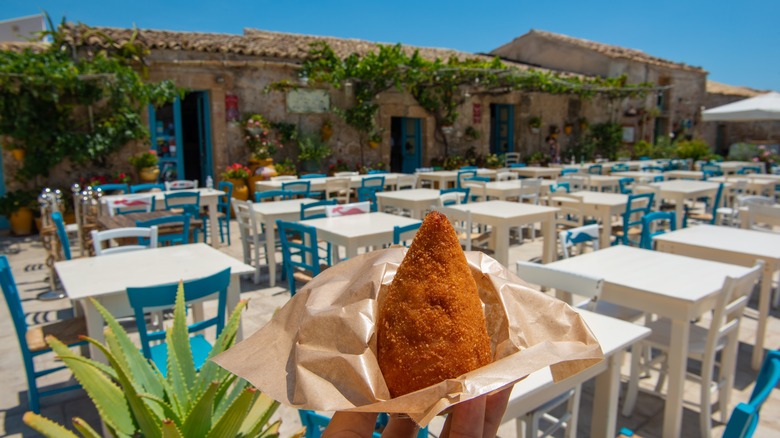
<point>537,172</point>
<point>416,200</point>
<point>358,230</point>
<point>268,213</point>
<point>106,278</point>
<point>208,198</point>
<point>443,179</point>
<point>759,184</point>
<point>601,182</point>
<point>640,177</point>
<point>602,206</point>
<point>696,175</point>
<point>681,189</point>
<point>729,167</point>
<point>732,245</point>
<point>318,184</point>
<point>672,286</point>
<point>614,336</point>
<point>503,215</point>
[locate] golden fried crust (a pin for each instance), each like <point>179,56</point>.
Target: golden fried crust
<point>431,326</point>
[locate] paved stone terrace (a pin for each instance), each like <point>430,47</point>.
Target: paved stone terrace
<point>27,255</point>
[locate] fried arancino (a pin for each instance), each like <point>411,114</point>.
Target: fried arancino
<point>431,326</point>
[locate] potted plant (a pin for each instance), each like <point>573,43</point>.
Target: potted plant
<point>145,164</point>
<point>258,136</point>
<point>537,159</point>
<point>326,130</point>
<point>374,140</point>
<point>14,148</point>
<point>17,206</point>
<point>311,153</point>
<point>237,174</point>
<point>535,123</point>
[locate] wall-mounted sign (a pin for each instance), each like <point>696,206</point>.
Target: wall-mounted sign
<point>628,134</point>
<point>308,101</point>
<point>231,108</point>
<point>476,113</point>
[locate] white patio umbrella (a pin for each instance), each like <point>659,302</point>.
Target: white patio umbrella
<point>762,107</point>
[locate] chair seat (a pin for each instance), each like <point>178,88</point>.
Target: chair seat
<point>200,351</point>
<point>613,310</point>
<point>66,330</point>
<point>661,337</point>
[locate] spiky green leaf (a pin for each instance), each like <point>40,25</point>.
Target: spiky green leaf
<point>227,393</point>
<point>272,431</point>
<point>198,421</point>
<point>228,424</point>
<point>85,429</point>
<point>211,371</point>
<point>179,339</point>
<point>46,427</point>
<point>258,416</point>
<point>170,430</point>
<point>113,343</point>
<point>179,386</point>
<point>167,409</point>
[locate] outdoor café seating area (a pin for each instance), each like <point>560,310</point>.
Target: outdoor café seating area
<point>673,265</point>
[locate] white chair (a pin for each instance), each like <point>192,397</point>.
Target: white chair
<point>406,181</point>
<point>346,174</point>
<point>98,237</point>
<point>506,176</point>
<point>452,198</point>
<point>529,193</point>
<point>742,203</point>
<point>252,236</point>
<point>348,209</point>
<point>511,158</point>
<point>569,214</point>
<point>477,190</point>
<point>181,184</point>
<point>704,344</point>
<point>585,285</point>
<point>284,178</point>
<point>338,189</point>
<point>142,202</point>
<point>763,217</point>
<point>728,211</point>
<point>461,222</point>
<point>576,182</point>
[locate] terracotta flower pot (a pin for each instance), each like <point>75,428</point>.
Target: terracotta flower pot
<point>18,154</point>
<point>21,221</point>
<point>149,174</point>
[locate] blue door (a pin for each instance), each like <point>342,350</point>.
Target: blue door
<point>3,219</point>
<point>406,150</point>
<point>204,134</point>
<point>166,137</point>
<point>502,125</point>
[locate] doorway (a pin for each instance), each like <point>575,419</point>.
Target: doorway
<point>502,125</point>
<point>406,144</point>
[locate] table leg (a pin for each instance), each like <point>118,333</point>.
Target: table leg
<point>549,240</point>
<point>351,249</point>
<point>678,358</point>
<point>213,224</point>
<point>606,228</point>
<point>270,250</point>
<point>233,296</point>
<point>501,243</point>
<point>679,211</point>
<point>764,298</point>
<point>605,398</point>
<point>94,329</point>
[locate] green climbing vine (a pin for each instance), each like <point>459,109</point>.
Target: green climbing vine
<point>439,86</point>
<point>61,102</point>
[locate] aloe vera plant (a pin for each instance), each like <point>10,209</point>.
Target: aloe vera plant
<point>134,399</point>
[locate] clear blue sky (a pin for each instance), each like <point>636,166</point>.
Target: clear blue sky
<point>737,41</point>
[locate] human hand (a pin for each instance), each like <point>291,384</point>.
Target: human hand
<point>476,418</point>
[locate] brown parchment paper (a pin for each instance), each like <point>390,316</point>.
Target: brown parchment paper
<point>319,351</point>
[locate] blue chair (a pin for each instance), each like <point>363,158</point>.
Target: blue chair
<point>31,339</point>
<point>376,172</point>
<point>188,201</point>
<point>463,174</point>
<point>638,205</point>
<point>62,235</point>
<point>320,205</point>
<point>177,231</point>
<point>709,215</point>
<point>465,191</point>
<point>272,195</point>
<point>148,187</point>
<point>468,167</point>
<point>114,189</point>
<point>403,233</point>
<point>562,186</point>
<point>654,219</point>
<point>374,182</point>
<point>313,176</point>
<point>223,211</point>
<point>712,169</point>
<point>595,169</point>
<point>744,418</point>
<point>568,170</point>
<point>299,251</point>
<point>297,188</point>
<point>620,167</point>
<point>368,194</point>
<point>658,178</point>
<point>624,185</point>
<point>517,165</point>
<point>144,298</point>
<point>652,169</point>
<point>748,170</point>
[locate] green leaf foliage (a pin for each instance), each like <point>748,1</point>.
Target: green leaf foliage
<point>134,399</point>
<point>56,104</point>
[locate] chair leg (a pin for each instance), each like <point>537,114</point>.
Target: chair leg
<point>574,408</point>
<point>33,398</point>
<point>705,405</point>
<point>633,383</point>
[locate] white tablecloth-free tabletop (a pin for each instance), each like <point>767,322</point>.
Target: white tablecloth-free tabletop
<point>416,200</point>
<point>358,230</point>
<point>106,278</point>
<point>537,172</point>
<point>679,190</point>
<point>614,336</point>
<point>731,245</point>
<point>442,179</point>
<point>672,286</point>
<point>503,215</point>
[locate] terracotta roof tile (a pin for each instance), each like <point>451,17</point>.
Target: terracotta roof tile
<point>16,46</point>
<point>615,51</point>
<point>718,88</point>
